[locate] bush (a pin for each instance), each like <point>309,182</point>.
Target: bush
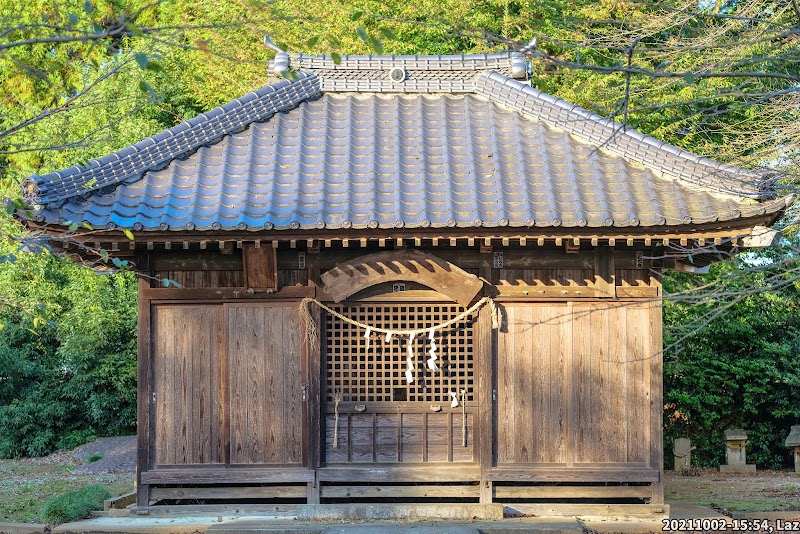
<point>67,373</point>
<point>737,369</point>
<point>74,505</point>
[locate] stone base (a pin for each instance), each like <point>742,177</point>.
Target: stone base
<point>738,468</point>
<point>411,512</point>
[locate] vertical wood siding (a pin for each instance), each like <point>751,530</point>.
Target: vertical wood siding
<point>399,437</point>
<point>254,351</point>
<point>188,411</point>
<point>573,384</point>
<point>267,416</point>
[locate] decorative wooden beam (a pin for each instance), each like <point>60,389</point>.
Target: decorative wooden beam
<point>407,265</point>
<point>260,267</point>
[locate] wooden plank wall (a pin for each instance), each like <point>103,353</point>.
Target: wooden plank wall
<point>399,437</point>
<point>573,385</point>
<point>531,402</point>
<point>188,385</point>
<point>228,374</point>
<point>267,416</point>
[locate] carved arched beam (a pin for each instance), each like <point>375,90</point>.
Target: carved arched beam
<point>403,265</point>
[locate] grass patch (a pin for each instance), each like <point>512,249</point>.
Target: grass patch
<point>74,505</point>
<point>93,458</point>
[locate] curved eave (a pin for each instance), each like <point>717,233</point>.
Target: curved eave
<point>764,214</point>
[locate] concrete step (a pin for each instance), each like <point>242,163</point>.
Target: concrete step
<point>545,525</point>
<point>22,528</point>
<point>402,529</point>
<point>401,512</point>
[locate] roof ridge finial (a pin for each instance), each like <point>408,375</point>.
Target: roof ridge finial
<point>531,46</point>
<point>281,65</point>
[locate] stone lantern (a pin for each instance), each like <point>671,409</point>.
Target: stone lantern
<point>793,442</point>
<point>735,455</point>
<point>682,448</point>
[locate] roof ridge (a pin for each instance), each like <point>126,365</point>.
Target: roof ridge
<point>469,62</point>
<point>626,142</point>
<point>401,73</point>
<point>152,153</point>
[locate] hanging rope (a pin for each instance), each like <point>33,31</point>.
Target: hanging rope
<point>312,334</point>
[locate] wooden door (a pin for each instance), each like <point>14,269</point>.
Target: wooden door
<point>382,418</point>
<point>267,374</point>
<point>228,385</point>
<point>574,385</point>
<point>188,385</point>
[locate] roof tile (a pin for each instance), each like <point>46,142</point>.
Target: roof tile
<point>457,142</point>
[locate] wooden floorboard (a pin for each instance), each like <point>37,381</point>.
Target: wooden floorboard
<point>573,475</point>
<point>388,474</point>
<point>391,492</point>
<point>226,476</point>
<point>571,492</point>
<point>231,492</point>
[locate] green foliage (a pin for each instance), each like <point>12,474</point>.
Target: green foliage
<point>736,369</point>
<point>93,458</point>
<point>74,505</point>
<point>61,386</point>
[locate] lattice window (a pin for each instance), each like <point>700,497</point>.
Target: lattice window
<point>377,374</point>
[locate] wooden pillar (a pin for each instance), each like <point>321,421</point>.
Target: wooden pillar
<point>144,395</point>
<point>656,400</point>
<point>604,269</point>
<point>313,491</point>
<point>486,354</point>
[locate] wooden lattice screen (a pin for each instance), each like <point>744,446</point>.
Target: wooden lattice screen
<point>377,373</point>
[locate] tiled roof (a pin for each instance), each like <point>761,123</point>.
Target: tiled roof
<point>442,142</point>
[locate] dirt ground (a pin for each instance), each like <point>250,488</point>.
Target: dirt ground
<point>25,484</point>
<point>762,491</point>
